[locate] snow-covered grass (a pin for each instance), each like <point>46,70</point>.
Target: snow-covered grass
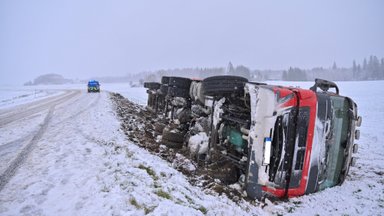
<point>83,165</point>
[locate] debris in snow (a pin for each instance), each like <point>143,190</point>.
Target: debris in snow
<point>213,178</point>
<point>198,144</point>
<point>217,111</point>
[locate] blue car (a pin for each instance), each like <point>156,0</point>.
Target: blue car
<point>93,86</point>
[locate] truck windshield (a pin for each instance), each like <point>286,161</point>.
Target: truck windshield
<point>282,142</point>
<point>337,142</point>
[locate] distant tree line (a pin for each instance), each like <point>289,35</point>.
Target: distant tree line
<point>294,74</point>
<point>373,69</point>
<point>370,69</point>
<point>200,73</point>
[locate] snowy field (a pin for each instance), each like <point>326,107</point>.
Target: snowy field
<point>80,163</point>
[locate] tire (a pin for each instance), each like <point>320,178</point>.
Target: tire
<point>152,85</point>
<point>226,173</point>
<point>357,134</point>
<point>164,89</point>
<point>223,85</point>
<point>165,80</point>
<point>159,127</point>
<point>359,121</point>
<point>192,90</point>
<point>170,144</point>
<point>180,82</point>
<point>178,92</point>
<point>172,138</point>
<point>199,94</point>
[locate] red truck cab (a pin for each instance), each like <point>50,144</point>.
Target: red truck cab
<point>300,141</point>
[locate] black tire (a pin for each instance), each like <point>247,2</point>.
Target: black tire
<point>180,82</point>
<point>178,92</point>
<point>164,89</point>
<point>152,85</point>
<point>226,172</point>
<point>173,138</point>
<point>159,127</point>
<point>223,85</point>
<point>170,144</point>
<point>165,80</point>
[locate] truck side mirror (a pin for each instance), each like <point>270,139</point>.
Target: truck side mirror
<point>324,85</point>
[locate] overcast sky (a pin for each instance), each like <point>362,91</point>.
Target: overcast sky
<point>79,39</point>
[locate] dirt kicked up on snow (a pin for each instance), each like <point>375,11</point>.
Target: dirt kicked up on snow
<point>140,127</point>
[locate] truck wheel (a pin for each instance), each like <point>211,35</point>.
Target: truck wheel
<point>170,144</point>
<point>199,94</point>
<point>180,82</point>
<point>178,92</point>
<point>165,80</point>
<point>159,127</point>
<point>221,85</point>
<point>226,173</point>
<point>164,89</point>
<point>152,85</point>
<point>173,138</point>
<point>192,90</point>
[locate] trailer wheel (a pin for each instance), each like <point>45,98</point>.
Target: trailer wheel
<point>159,127</point>
<point>164,89</point>
<point>152,85</point>
<point>180,82</point>
<point>165,80</point>
<point>222,85</point>
<point>173,138</point>
<point>178,92</point>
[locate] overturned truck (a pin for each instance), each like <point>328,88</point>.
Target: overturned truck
<point>274,140</point>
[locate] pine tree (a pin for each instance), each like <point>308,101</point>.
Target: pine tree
<point>376,67</point>
<point>354,70</point>
<point>334,66</point>
<point>285,76</point>
<point>382,68</point>
<point>365,67</point>
<point>358,72</point>
<point>243,71</point>
<point>230,69</point>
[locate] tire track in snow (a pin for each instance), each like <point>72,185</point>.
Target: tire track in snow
<point>18,161</point>
<point>86,108</point>
<point>35,107</point>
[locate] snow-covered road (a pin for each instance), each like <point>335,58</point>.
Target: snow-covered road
<point>79,163</point>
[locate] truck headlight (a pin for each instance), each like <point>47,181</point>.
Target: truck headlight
<point>267,150</point>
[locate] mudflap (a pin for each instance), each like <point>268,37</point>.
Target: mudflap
<point>253,189</point>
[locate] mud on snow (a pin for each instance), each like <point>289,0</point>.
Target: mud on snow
<point>141,127</point>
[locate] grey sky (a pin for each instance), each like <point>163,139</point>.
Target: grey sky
<point>79,39</point>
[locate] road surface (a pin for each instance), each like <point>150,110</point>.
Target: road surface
<point>23,126</point>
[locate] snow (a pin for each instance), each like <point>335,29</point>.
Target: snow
<point>83,164</point>
<point>198,144</point>
<point>11,97</point>
<point>217,111</point>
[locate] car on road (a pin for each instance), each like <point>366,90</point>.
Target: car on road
<point>93,86</point>
<point>274,140</point>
